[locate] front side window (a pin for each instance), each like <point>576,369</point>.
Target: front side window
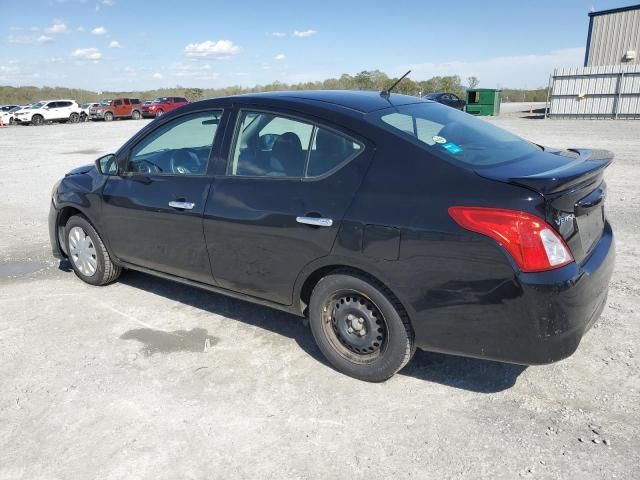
<point>117,103</point>
<point>179,147</point>
<point>268,145</point>
<point>126,101</point>
<point>459,136</point>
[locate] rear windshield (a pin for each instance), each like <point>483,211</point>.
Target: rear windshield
<point>454,134</point>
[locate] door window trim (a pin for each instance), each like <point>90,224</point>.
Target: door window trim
<point>212,152</point>
<point>295,117</point>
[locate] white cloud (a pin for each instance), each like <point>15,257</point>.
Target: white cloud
<point>87,54</point>
<point>80,29</point>
<point>157,75</point>
<point>57,27</point>
<point>55,60</point>
<point>280,56</point>
<point>305,33</point>
<point>99,31</point>
<point>115,44</point>
<point>278,34</point>
<point>108,3</point>
<point>518,71</point>
<point>219,49</point>
<point>27,40</point>
<point>196,71</point>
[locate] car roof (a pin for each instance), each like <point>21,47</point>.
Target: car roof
<point>361,101</point>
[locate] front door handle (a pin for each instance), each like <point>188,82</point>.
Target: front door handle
<point>182,205</point>
<point>315,221</point>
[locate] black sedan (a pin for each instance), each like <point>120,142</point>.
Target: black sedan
<point>448,99</point>
<point>392,222</point>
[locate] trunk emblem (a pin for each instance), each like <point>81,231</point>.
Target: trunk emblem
<point>564,218</point>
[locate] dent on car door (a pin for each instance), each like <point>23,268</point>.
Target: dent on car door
<point>280,202</point>
<point>152,212</point>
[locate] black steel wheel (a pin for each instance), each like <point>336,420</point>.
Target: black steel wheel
<point>355,326</point>
<point>360,327</point>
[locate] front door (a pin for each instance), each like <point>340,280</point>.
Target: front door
<point>153,211</point>
<point>279,205</point>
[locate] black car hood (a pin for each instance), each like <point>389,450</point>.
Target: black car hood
<point>81,170</point>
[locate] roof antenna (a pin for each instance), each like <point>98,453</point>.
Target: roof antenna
<point>387,91</point>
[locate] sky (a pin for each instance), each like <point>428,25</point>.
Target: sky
<point>138,45</point>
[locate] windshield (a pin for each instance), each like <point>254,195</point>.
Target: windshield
<point>161,100</point>
<point>14,109</point>
<point>36,105</point>
<point>453,134</point>
<point>431,96</point>
<point>106,102</point>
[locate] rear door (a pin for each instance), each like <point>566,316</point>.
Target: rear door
<point>126,108</point>
<point>152,212</point>
<point>118,107</point>
<point>279,201</point>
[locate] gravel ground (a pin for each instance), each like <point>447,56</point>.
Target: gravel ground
<point>114,382</point>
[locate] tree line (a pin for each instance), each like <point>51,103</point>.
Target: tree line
<point>365,80</point>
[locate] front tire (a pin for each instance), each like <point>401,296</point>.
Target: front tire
<point>74,118</point>
<point>360,327</point>
<point>159,113</point>
<point>135,115</point>
<point>108,117</point>
<point>37,120</point>
<point>89,257</point>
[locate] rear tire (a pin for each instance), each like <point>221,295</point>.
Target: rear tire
<point>108,117</point>
<point>74,118</point>
<point>135,115</point>
<point>89,257</point>
<point>159,113</point>
<point>360,327</point>
<point>37,120</point>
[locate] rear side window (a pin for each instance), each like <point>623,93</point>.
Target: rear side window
<point>270,145</point>
<point>135,101</point>
<point>126,101</point>
<point>180,100</point>
<point>329,149</point>
<point>456,135</point>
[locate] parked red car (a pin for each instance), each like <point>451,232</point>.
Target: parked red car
<point>162,105</point>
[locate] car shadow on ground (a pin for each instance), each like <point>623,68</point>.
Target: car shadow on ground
<point>475,375</point>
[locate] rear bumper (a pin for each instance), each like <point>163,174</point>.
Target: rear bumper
<point>539,319</point>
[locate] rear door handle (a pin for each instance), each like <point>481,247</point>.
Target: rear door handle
<point>315,221</point>
<point>182,205</point>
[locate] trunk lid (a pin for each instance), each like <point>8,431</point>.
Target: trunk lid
<point>571,182</point>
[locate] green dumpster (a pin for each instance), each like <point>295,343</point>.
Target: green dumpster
<point>483,101</point>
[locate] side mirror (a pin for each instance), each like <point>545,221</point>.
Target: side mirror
<point>107,165</point>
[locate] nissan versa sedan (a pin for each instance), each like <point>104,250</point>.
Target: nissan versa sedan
<point>391,222</point>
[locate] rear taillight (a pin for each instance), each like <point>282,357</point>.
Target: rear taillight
<point>531,241</point>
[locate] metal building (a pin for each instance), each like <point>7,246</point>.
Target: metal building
<point>608,86</point>
<point>614,37</point>
<point>611,91</point>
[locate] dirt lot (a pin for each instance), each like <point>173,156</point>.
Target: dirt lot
<point>114,382</point>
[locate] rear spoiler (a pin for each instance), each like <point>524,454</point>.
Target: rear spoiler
<point>582,166</point>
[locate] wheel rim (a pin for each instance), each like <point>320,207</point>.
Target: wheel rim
<point>82,251</point>
<point>159,113</point>
<point>355,326</point>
